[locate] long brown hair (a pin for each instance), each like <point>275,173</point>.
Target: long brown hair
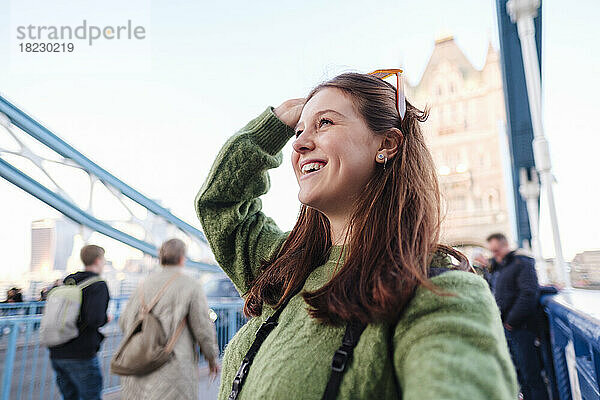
<point>393,231</point>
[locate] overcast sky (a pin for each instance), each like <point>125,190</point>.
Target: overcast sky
<point>154,112</point>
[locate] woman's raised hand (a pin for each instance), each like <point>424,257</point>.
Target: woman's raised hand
<point>289,111</point>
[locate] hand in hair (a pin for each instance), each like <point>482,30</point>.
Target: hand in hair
<point>289,111</point>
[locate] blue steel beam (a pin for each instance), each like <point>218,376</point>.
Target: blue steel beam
<point>518,117</point>
<point>37,131</point>
<point>78,215</point>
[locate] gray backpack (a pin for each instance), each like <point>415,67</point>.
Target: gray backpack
<point>145,347</point>
<point>61,313</point>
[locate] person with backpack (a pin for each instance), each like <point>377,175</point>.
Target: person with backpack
<point>359,300</point>
<point>70,325</point>
<point>163,323</point>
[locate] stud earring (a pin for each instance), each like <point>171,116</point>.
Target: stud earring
<point>380,156</point>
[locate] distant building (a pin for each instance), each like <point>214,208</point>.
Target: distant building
<point>51,244</point>
<point>464,133</point>
<point>585,269</point>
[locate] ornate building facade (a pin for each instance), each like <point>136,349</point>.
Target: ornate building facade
<point>464,132</point>
<point>585,269</point>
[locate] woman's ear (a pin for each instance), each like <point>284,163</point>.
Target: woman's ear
<point>391,142</point>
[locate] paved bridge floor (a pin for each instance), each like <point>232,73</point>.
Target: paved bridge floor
<point>208,391</point>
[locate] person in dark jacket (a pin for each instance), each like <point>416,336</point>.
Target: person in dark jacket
<point>75,363</point>
<point>512,277</point>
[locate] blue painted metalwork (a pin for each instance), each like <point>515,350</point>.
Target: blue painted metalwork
<point>575,347</point>
<point>62,203</point>
<point>9,363</point>
<point>569,329</point>
<point>37,307</point>
<point>518,117</point>
<point>23,308</point>
<point>25,367</point>
<point>72,211</point>
<point>37,131</point>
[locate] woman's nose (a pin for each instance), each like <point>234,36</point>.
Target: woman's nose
<point>303,143</point>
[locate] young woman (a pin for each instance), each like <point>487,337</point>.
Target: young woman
<point>363,252</point>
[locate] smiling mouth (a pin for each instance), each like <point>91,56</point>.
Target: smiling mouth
<point>312,167</point>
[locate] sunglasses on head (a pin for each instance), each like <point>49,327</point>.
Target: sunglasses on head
<point>400,97</point>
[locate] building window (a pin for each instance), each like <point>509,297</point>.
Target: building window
<point>481,159</point>
<point>458,203</point>
<point>492,200</point>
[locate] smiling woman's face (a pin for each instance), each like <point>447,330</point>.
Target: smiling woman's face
<point>334,153</point>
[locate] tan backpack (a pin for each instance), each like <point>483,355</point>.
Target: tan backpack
<point>144,347</point>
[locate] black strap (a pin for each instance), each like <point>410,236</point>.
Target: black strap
<point>261,334</point>
<point>341,357</point>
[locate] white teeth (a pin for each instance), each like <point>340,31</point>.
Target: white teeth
<point>310,167</point>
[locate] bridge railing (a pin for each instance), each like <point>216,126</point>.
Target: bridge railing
<point>25,365</point>
<point>37,307</point>
<point>22,308</point>
<point>575,349</point>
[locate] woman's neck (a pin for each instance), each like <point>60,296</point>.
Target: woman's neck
<point>339,229</point>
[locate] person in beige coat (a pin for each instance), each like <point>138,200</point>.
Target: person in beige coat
<point>183,298</point>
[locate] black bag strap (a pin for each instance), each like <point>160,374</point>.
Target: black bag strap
<point>261,334</point>
<point>341,357</point>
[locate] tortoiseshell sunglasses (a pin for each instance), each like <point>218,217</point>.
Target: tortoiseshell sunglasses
<point>400,97</point>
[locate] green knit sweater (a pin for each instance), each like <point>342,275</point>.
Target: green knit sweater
<point>442,347</point>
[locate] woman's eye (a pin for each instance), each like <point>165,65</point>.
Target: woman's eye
<point>321,121</point>
<point>324,120</point>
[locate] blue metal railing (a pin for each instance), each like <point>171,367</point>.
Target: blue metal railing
<point>573,353</point>
<point>23,308</point>
<point>37,307</point>
<point>25,366</point>
<point>575,350</point>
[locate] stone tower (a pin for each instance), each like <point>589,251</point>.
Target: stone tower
<point>465,133</point>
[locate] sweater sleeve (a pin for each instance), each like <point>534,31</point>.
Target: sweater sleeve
<point>453,347</point>
<point>202,328</point>
<point>228,203</point>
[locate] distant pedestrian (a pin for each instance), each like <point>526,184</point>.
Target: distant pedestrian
<point>180,302</point>
<point>47,289</point>
<point>513,280</point>
<point>14,295</point>
<point>75,362</point>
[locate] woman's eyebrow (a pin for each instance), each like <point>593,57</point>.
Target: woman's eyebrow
<point>322,112</point>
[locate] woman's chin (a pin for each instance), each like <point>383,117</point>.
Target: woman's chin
<point>308,199</point>
<point>312,202</point>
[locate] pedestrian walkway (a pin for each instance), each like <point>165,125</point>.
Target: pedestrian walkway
<point>208,391</point>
